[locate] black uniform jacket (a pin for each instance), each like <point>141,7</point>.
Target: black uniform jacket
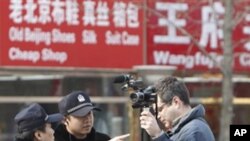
<point>61,134</point>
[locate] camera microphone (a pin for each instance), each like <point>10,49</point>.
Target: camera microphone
<point>122,79</point>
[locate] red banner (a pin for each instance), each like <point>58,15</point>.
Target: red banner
<point>109,33</point>
<point>174,26</point>
<point>71,33</point>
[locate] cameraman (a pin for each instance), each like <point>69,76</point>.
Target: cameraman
<point>181,122</point>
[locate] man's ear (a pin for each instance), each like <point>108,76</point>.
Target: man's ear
<point>38,135</point>
<point>65,120</point>
<point>176,101</point>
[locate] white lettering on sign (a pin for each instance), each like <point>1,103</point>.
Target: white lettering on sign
<point>188,61</point>
<point>171,23</point>
<point>23,55</point>
<point>246,30</point>
<point>211,25</point>
<point>89,37</point>
<point>16,34</point>
<point>58,13</point>
<point>244,59</point>
<point>125,14</point>
<point>37,36</point>
<point>128,39</point>
<point>119,14</point>
<point>63,37</point>
<point>16,8</point>
<point>132,15</point>
<point>46,55</point>
<point>123,38</point>
<point>44,11</point>
<point>113,38</point>
<point>89,13</point>
<point>72,10</point>
<point>48,11</point>
<point>30,8</point>
<point>95,13</point>
<point>102,14</point>
<point>50,55</point>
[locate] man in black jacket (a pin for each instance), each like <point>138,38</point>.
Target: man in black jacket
<point>77,125</point>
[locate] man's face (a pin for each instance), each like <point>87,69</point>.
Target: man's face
<point>166,113</point>
<point>80,126</point>
<point>47,134</point>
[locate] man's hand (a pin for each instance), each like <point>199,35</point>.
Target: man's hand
<point>149,123</point>
<point>120,138</point>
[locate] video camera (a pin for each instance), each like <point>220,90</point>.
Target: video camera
<point>141,97</point>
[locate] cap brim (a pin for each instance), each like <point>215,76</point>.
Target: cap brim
<point>84,111</point>
<point>54,118</point>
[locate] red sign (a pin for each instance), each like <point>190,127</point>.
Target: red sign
<point>171,20</point>
<point>71,33</point>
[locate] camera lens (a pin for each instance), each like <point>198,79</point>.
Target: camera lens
<point>137,97</point>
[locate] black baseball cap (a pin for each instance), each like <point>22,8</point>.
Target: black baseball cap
<point>34,116</point>
<point>76,103</point>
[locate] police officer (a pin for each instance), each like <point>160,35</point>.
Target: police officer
<point>77,125</point>
<point>34,124</point>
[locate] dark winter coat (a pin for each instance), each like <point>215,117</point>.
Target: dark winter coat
<point>61,134</point>
<point>191,127</point>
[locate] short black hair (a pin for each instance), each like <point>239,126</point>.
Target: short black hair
<point>169,87</point>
